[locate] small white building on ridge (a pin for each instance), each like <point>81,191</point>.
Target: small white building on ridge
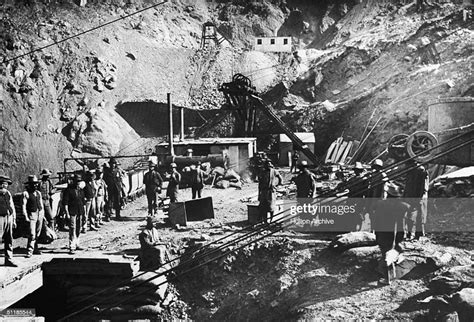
<point>273,44</point>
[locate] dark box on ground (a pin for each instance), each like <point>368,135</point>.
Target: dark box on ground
<point>191,210</point>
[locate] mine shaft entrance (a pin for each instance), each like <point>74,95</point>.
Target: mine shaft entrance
<point>150,119</point>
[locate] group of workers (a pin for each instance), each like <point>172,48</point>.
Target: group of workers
<point>153,182</point>
<point>88,200</point>
<point>395,214</point>
<point>85,204</point>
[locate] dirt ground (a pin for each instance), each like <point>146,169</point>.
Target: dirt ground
<point>289,275</point>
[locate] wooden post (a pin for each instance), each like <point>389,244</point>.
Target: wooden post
<point>170,109</point>
<point>181,135</point>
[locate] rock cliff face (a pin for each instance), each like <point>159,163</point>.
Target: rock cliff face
<point>354,57</point>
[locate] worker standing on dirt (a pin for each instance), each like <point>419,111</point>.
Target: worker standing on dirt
<point>89,219</point>
<point>7,220</point>
<point>113,178</point>
<point>267,191</point>
<point>294,161</point>
<point>377,188</point>
<point>197,180</point>
<point>100,196</point>
<point>416,190</point>
<point>33,211</point>
<point>173,185</point>
<point>389,215</point>
<point>153,183</point>
<point>305,182</point>
<point>46,188</point>
<point>73,202</point>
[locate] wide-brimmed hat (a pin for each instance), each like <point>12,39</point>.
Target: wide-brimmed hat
<point>77,176</point>
<point>173,165</point>
<point>113,161</point>
<point>377,163</point>
<point>45,172</point>
<point>358,166</point>
<point>5,179</point>
<point>32,179</point>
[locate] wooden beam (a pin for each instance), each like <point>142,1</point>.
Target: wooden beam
<point>15,291</point>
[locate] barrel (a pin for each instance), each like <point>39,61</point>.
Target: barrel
<point>448,118</point>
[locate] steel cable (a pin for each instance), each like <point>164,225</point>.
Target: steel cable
<point>261,228</point>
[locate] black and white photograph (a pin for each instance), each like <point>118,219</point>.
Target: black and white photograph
<point>236,160</point>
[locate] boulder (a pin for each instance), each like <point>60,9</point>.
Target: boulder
<point>101,132</point>
<point>361,254</point>
<point>352,240</point>
<point>453,280</point>
<point>463,303</point>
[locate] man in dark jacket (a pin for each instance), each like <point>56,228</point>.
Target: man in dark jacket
<point>7,220</point>
<point>153,183</point>
<point>377,189</point>
<point>197,180</point>
<point>113,178</point>
<point>305,182</point>
<point>389,215</point>
<point>46,188</point>
<point>173,184</point>
<point>73,201</point>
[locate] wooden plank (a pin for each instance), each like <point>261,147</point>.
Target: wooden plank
<point>342,149</point>
<point>328,154</point>
<point>13,292</point>
<point>346,152</point>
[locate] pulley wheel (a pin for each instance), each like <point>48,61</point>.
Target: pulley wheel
<point>397,148</point>
<point>242,80</point>
<point>419,143</point>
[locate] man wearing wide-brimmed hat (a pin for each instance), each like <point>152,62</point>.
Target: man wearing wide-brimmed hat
<point>74,203</point>
<point>32,210</point>
<point>7,219</point>
<point>113,177</point>
<point>46,188</point>
<point>153,183</point>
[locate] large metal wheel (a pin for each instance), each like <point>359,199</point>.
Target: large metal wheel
<point>419,145</point>
<point>397,147</point>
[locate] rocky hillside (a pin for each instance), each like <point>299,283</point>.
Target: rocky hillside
<point>354,58</point>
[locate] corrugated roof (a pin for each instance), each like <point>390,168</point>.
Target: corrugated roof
<point>306,137</point>
<point>212,141</point>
